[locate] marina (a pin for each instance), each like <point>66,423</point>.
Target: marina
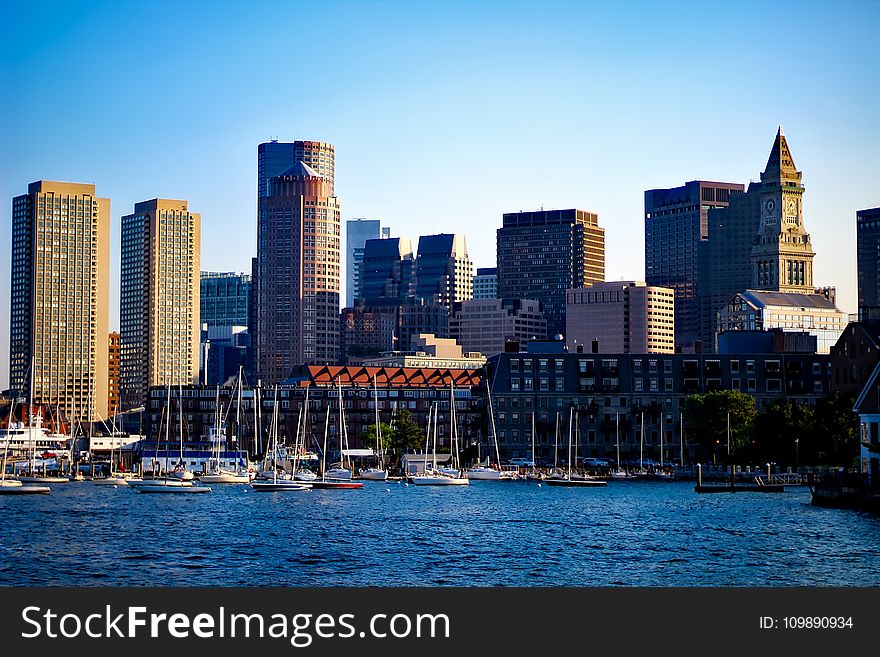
<point>627,533</point>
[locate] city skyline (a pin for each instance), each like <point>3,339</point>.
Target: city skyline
<point>591,114</point>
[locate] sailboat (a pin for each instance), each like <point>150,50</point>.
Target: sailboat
<point>325,481</point>
<point>301,473</point>
<point>13,486</point>
<point>338,470</point>
<point>180,470</point>
<point>618,472</point>
<point>167,483</point>
<point>570,478</point>
<point>533,474</point>
<point>215,474</point>
<point>377,473</point>
<point>436,477</point>
<point>488,473</point>
<point>277,483</point>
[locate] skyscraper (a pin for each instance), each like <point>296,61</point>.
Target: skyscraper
<point>275,157</point>
<point>59,299</point>
<point>387,272</point>
<point>868,262</point>
<point>298,261</point>
<point>542,254</point>
<point>357,232</point>
<point>676,234</point>
<point>444,272</point>
<point>159,298</point>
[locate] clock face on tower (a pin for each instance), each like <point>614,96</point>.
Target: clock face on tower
<point>770,205</point>
<point>792,206</point>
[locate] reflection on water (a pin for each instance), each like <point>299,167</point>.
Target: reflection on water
<point>389,534</point>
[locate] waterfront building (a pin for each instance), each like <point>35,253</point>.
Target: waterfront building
<point>485,325</point>
<point>298,261</point>
<point>357,232</point>
<point>417,390</point>
<point>366,332</point>
<point>444,273</point>
<point>542,254</point>
<point>755,310</point>
<point>608,391</point>
<point>159,298</point>
<point>426,350</point>
<point>387,274</point>
<point>623,317</point>
<point>224,298</point>
<point>274,158</point>
<point>486,283</point>
<point>114,361</point>
<point>868,262</point>
<point>676,257</point>
<point>60,287</point>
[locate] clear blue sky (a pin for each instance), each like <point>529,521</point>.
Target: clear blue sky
<point>444,115</point>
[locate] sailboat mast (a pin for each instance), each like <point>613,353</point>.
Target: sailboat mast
<point>237,409</point>
<point>275,436</point>
<point>556,443</point>
<point>642,443</point>
<point>258,424</point>
<point>617,437</point>
<point>570,427</point>
<point>168,429</point>
<point>180,417</point>
<point>341,453</point>
<point>533,438</point>
<point>492,421</point>
<point>681,429</point>
<point>661,440</point>
<point>324,452</point>
<point>376,404</point>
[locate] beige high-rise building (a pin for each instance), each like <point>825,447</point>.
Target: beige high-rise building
<point>59,299</point>
<point>625,317</point>
<point>159,298</point>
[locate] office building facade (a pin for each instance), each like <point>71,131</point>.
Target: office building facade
<point>60,287</point>
<point>542,254</point>
<point>298,261</point>
<point>114,361</point>
<point>387,275</point>
<point>366,332</point>
<point>159,298</point>
<point>868,262</point>
<point>676,238</point>
<point>274,158</point>
<point>486,283</point>
<point>622,317</point>
<point>357,232</point>
<point>224,298</point>
<point>444,272</point>
<point>486,325</point>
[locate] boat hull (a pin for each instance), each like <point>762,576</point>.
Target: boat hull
<point>272,487</point>
<point>44,480</point>
<point>24,490</point>
<point>483,475</point>
<point>161,488</point>
<point>374,475</point>
<point>438,481</point>
<point>225,479</point>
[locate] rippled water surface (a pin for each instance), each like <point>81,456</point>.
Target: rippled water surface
<point>389,534</point>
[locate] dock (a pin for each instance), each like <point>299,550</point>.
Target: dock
<point>732,487</point>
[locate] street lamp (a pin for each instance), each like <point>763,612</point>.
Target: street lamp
<point>797,454</point>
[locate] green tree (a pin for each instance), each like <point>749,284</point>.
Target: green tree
<point>368,436</point>
<point>834,439</point>
<point>406,435</point>
<point>782,433</point>
<point>707,418</point>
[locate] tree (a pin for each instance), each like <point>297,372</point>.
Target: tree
<point>834,439</point>
<point>406,434</point>
<point>707,417</point>
<point>782,433</point>
<point>368,436</point>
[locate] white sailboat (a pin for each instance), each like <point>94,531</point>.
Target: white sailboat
<point>325,480</point>
<point>573,478</point>
<point>486,472</point>
<point>618,472</point>
<point>215,473</point>
<point>378,472</point>
<point>338,470</point>
<point>11,485</point>
<point>436,477</point>
<point>300,472</point>
<point>277,483</point>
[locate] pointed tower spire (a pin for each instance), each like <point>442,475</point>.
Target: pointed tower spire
<point>780,164</point>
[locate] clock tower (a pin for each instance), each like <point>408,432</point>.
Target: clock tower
<point>782,256</point>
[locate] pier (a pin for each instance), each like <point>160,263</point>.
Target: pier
<point>760,486</point>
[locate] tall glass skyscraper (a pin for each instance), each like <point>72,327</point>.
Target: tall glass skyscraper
<point>444,272</point>
<point>357,232</point>
<point>224,298</point>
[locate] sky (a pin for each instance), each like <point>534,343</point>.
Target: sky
<point>444,115</point>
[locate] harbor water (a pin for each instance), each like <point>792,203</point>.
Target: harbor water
<point>655,534</point>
